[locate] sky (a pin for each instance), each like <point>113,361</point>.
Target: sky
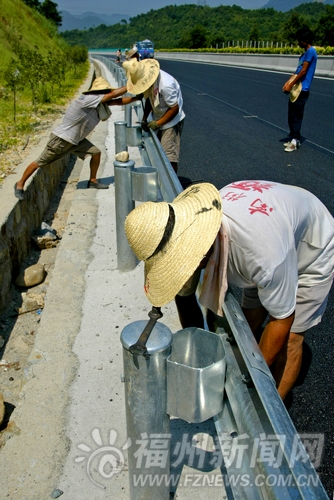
<point>134,7</point>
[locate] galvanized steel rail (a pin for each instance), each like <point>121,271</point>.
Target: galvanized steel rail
<point>253,410</point>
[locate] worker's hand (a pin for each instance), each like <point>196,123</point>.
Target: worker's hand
<point>153,125</point>
<point>140,97</point>
<point>144,126</point>
<point>289,84</point>
<point>286,88</point>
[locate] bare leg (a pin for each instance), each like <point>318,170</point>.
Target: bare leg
<point>94,165</point>
<point>26,174</point>
<point>286,368</point>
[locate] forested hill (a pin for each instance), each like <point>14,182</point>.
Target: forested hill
<point>285,5</point>
<point>195,26</point>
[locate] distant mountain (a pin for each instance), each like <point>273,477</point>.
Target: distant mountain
<point>88,20</point>
<point>285,5</point>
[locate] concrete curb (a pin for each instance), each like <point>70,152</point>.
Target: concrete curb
<point>284,63</point>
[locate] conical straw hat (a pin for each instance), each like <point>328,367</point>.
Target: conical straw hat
<point>198,216</point>
<point>99,85</point>
<point>140,74</point>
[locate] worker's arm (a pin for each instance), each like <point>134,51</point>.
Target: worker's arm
<point>122,101</point>
<point>167,117</point>
<point>274,337</point>
<point>114,94</point>
<point>147,109</point>
<point>296,78</point>
<point>255,318</point>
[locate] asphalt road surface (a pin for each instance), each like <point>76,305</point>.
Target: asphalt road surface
<point>236,123</point>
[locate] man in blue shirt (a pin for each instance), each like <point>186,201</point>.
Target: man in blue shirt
<point>304,74</point>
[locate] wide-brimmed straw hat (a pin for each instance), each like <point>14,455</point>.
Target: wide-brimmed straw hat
<point>295,91</point>
<point>99,85</point>
<point>198,216</point>
<point>131,53</point>
<point>140,74</point>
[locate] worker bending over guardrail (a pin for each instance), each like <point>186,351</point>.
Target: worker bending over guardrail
<point>274,241</point>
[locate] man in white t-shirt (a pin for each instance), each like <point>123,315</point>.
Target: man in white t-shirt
<point>163,111</point>
<point>274,241</point>
<point>80,118</point>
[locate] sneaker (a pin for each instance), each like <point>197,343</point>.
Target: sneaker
<point>19,193</point>
<point>97,185</point>
<point>286,144</point>
<point>291,146</point>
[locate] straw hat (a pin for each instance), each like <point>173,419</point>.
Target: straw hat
<point>140,74</point>
<point>198,216</point>
<point>131,53</point>
<point>99,85</point>
<point>295,91</point>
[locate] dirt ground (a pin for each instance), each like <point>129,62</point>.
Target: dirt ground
<point>18,328</point>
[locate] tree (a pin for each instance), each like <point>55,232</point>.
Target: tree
<point>197,37</point>
<point>292,26</point>
<point>254,35</point>
<point>217,39</point>
<point>325,29</point>
<point>49,10</point>
<point>14,81</point>
<point>33,4</point>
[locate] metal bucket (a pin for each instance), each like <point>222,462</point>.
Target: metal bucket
<point>195,375</point>
<point>134,136</point>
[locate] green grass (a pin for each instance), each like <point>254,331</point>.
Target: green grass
<point>14,135</point>
<point>30,30</point>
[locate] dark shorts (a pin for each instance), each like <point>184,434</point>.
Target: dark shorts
<point>57,148</point>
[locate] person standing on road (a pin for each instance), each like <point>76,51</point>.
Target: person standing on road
<point>274,241</point>
<point>163,111</point>
<point>80,118</point>
<point>301,81</point>
<point>119,55</point>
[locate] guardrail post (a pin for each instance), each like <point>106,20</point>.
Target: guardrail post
<point>147,420</point>
<point>120,137</point>
<point>126,259</point>
<point>128,115</point>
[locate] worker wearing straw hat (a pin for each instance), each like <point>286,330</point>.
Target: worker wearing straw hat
<point>163,111</point>
<point>275,242</point>
<point>80,118</point>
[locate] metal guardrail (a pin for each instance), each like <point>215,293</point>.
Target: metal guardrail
<point>269,458</point>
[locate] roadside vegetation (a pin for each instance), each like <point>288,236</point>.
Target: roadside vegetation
<point>200,27</point>
<point>39,73</point>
